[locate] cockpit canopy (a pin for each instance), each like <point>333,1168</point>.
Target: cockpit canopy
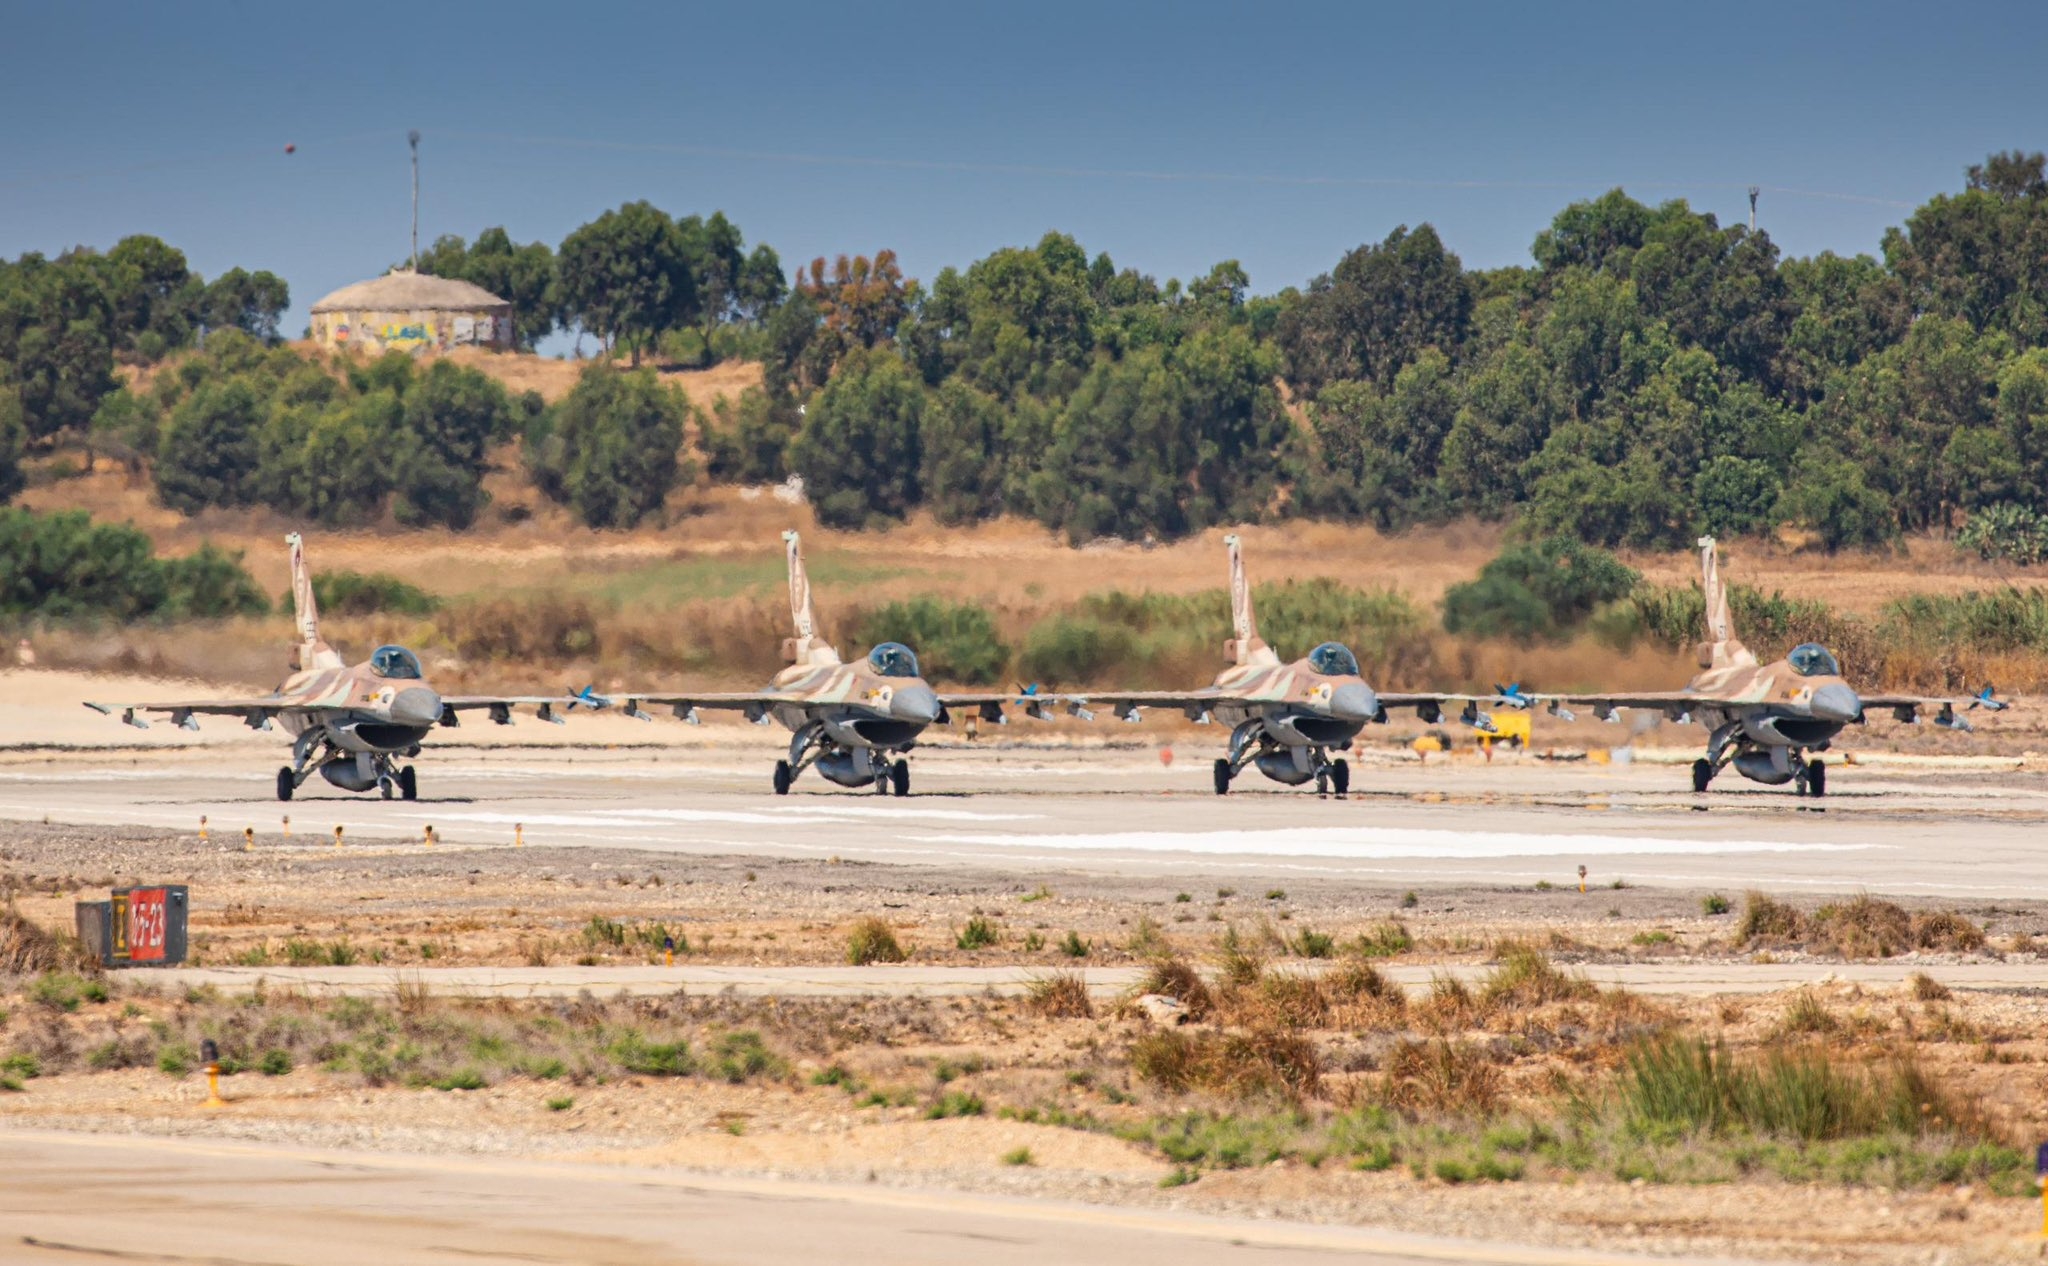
<point>1333,659</point>
<point>893,659</point>
<point>1811,659</point>
<point>395,663</point>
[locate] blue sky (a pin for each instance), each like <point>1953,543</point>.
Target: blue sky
<point>1170,135</point>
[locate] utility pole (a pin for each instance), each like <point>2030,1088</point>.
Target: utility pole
<point>413,138</point>
<point>1753,192</point>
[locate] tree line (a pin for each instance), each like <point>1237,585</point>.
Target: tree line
<point>1649,375</point>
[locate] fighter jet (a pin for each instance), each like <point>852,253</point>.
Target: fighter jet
<point>847,720</point>
<point>351,723</point>
<point>1286,718</point>
<point>1764,719</point>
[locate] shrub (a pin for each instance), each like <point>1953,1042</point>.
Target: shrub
<point>1525,977</point>
<point>2006,532</point>
<point>954,641</point>
<point>371,593</point>
<point>26,948</point>
<point>1176,978</point>
<point>1312,944</point>
<point>64,566</point>
<point>740,1056</point>
<point>1441,1076</point>
<point>611,451</point>
<point>1073,946</point>
<point>1384,939</point>
<point>1947,930</point>
<point>275,1063</point>
<point>1061,995</point>
<point>636,1054</point>
<point>1926,988</point>
<point>1766,918</point>
<point>1863,928</point>
<point>1021,1156</point>
<point>1713,903</point>
<point>873,941</point>
<point>955,1103</point>
<point>979,933</point>
<point>1541,590</point>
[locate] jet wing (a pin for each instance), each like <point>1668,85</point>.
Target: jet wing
<point>500,707</point>
<point>255,713</point>
<point>1194,704</point>
<point>1674,704</point>
<point>1908,708</point>
<point>755,703</point>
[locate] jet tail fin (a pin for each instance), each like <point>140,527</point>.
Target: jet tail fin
<point>311,651</point>
<point>1722,648</point>
<point>806,647</point>
<point>1245,645</point>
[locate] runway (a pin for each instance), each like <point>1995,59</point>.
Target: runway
<point>1939,830</point>
<point>106,1199</point>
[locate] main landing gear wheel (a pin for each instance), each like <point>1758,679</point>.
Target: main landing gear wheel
<point>1702,773</point>
<point>782,777</point>
<point>408,784</point>
<point>1816,778</point>
<point>286,784</point>
<point>899,777</point>
<point>1340,777</point>
<point>1222,777</point>
<point>385,785</point>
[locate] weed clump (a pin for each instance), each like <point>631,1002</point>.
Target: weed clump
<point>1442,1077</point>
<point>1257,1063</point>
<point>980,933</point>
<point>873,941</point>
<point>1176,978</point>
<point>1063,995</point>
<point>1765,918</point>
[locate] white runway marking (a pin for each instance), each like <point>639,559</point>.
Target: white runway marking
<point>1386,843</point>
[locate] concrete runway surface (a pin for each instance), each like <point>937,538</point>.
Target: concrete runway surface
<point>1953,830</point>
<point>96,1198</point>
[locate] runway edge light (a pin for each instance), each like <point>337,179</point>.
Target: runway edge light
<point>209,1053</point>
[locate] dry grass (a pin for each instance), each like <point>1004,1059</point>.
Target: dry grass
<point>1176,978</point>
<point>1063,995</point>
<point>873,941</point>
<point>1863,927</point>
<point>1441,1077</point>
<point>1257,1063</point>
<point>1947,930</point>
<point>1525,977</point>
<point>29,949</point>
<point>1926,988</point>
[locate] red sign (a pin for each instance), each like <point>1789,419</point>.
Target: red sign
<point>148,919</point>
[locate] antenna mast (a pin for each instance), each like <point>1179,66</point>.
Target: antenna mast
<point>413,138</point>
<point>1753,192</point>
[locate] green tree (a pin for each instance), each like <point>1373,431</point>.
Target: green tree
<point>245,301</point>
<point>1828,494</point>
<point>1735,494</point>
<point>13,437</point>
<point>1981,256</point>
<point>619,433</point>
<point>207,455</point>
<point>747,439</point>
<point>1376,312</point>
<point>628,275</point>
<point>859,450</point>
<point>56,330</point>
<point>523,276</point>
<point>965,456</point>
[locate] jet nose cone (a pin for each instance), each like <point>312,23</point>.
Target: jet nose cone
<point>1354,701</point>
<point>915,703</point>
<point>1836,703</point>
<point>416,705</point>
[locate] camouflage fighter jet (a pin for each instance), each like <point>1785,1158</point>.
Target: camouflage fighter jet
<point>845,719</point>
<point>1287,718</point>
<point>352,723</point>
<point>1763,719</point>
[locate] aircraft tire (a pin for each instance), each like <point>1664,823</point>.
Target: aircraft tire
<point>1222,777</point>
<point>1816,777</point>
<point>385,786</point>
<point>1340,777</point>
<point>1702,773</point>
<point>899,777</point>
<point>408,784</point>
<point>286,784</point>
<point>782,778</point>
